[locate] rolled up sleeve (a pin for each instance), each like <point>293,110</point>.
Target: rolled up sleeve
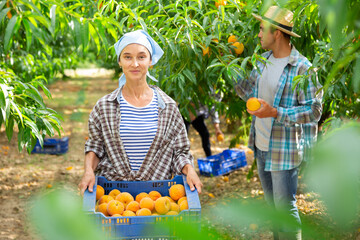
<point>309,109</point>
<point>245,87</point>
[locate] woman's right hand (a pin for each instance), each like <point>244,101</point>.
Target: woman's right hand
<point>87,182</point>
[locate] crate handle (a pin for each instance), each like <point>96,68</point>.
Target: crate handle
<point>192,196</point>
<point>90,198</point>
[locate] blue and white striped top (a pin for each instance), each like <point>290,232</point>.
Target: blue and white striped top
<point>138,126</point>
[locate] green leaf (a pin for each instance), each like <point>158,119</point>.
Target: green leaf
<point>190,75</point>
<point>57,128</point>
<point>35,96</point>
<point>43,20</point>
<point>197,24</point>
<point>14,105</point>
<point>28,33</point>
<point>32,6</point>
<point>143,24</point>
<point>3,14</point>
<point>102,35</point>
<point>35,89</point>
<point>9,127</point>
<point>120,25</point>
<point>9,32</point>
<point>73,6</point>
<point>49,128</point>
<point>2,98</point>
<point>32,21</point>
<point>33,141</point>
<point>356,78</point>
<point>20,85</point>
<point>95,36</point>
<point>218,64</point>
<point>55,123</point>
<point>6,106</point>
<point>190,36</point>
<point>45,90</point>
<point>59,215</point>
<point>77,33</point>
<point>244,62</point>
<point>85,36</point>
<point>1,118</point>
<point>21,140</point>
<point>112,31</point>
<point>53,19</point>
<point>222,13</point>
<point>34,130</point>
<point>2,3</point>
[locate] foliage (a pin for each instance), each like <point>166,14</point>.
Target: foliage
<point>330,39</point>
<point>21,103</point>
<point>335,155</point>
<point>37,39</point>
<point>41,38</point>
<point>338,155</point>
<point>58,214</point>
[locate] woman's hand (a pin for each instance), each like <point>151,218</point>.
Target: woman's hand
<point>87,182</point>
<point>192,178</point>
<point>88,179</point>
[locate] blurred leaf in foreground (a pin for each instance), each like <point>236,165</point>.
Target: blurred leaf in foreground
<point>335,174</point>
<point>58,215</point>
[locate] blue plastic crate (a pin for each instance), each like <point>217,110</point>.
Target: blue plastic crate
<point>222,163</point>
<point>142,227</point>
<point>52,146</point>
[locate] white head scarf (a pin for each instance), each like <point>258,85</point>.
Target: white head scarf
<point>143,38</point>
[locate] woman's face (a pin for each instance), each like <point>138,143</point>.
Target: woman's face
<point>135,60</point>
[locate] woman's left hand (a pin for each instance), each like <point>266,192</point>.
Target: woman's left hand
<point>192,178</point>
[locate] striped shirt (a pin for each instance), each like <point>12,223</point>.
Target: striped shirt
<point>167,155</point>
<point>138,126</point>
<point>294,130</point>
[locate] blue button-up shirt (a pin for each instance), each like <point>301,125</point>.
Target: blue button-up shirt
<point>295,128</point>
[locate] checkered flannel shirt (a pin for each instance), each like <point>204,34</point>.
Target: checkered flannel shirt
<point>168,153</point>
<point>295,129</point>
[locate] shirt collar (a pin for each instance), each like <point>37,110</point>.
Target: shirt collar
<point>293,58</point>
<point>163,99</point>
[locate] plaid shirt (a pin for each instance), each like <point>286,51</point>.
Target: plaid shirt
<point>204,110</point>
<point>168,153</point>
<point>295,128</point>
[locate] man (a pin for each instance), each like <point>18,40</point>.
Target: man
<point>286,124</point>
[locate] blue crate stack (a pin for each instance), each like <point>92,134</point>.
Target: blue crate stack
<point>222,163</point>
<point>52,146</point>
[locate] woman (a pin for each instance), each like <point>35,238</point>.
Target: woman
<point>136,133</point>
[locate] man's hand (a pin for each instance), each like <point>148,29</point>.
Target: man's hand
<point>265,111</point>
<point>87,182</point>
<point>192,178</point>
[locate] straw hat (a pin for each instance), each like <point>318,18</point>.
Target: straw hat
<point>280,18</point>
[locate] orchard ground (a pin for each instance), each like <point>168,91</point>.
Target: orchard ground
<point>23,175</point>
